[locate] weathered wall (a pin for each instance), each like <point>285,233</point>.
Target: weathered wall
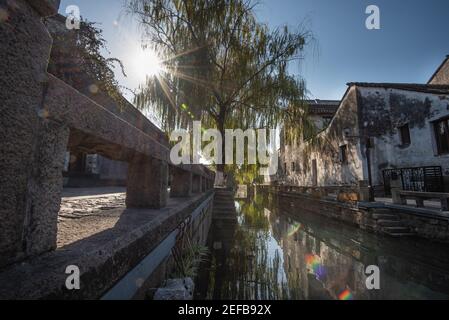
<point>384,110</point>
<point>442,75</point>
<point>375,112</point>
<point>325,150</point>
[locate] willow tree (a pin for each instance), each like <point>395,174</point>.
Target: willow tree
<point>221,65</point>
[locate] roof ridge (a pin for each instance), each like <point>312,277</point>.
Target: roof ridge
<point>398,84</point>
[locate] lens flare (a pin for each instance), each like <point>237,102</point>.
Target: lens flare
<point>314,266</point>
<point>345,295</point>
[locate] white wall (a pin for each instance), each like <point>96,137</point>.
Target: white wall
<point>388,152</point>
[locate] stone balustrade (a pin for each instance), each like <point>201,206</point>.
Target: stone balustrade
<point>343,193</point>
<point>42,117</point>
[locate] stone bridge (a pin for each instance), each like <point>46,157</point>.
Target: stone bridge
<point>41,118</point>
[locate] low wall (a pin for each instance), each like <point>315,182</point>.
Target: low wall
<point>423,223</point>
<point>110,258</point>
<point>159,264</point>
<point>332,209</point>
<point>426,225</point>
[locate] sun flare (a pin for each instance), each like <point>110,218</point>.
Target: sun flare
<point>147,63</point>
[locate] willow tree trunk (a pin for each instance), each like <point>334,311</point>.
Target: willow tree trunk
<point>221,175</point>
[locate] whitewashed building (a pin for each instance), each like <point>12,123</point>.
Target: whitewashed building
<point>405,128</point>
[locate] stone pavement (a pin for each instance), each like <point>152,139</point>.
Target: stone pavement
<point>90,192</point>
<point>87,211</point>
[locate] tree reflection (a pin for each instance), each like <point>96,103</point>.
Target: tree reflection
<point>274,250</point>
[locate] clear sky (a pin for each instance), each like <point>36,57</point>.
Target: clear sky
<point>411,44</point>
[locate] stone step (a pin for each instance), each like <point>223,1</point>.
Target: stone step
<point>396,229</point>
<point>223,203</point>
<point>385,216</point>
<point>224,192</point>
<point>225,210</point>
<point>219,202</point>
<point>224,200</point>
<point>390,223</point>
<point>221,197</point>
<point>224,217</point>
<point>223,206</point>
<point>400,234</point>
<point>381,210</point>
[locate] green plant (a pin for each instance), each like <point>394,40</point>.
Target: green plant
<point>190,260</point>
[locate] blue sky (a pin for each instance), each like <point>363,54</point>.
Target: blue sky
<point>411,44</point>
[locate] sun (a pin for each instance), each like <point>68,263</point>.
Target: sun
<point>147,63</point>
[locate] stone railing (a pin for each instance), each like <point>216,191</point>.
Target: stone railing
<point>42,117</point>
<point>349,194</point>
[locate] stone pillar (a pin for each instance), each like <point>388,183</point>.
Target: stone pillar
<point>147,183</point>
<point>196,188</point>
<point>31,146</point>
<point>364,190</point>
<point>396,186</point>
<point>181,185</point>
<point>203,184</point>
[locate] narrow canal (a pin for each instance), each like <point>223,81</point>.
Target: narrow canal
<point>275,251</point>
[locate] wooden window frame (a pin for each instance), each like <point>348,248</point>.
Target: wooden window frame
<point>436,123</point>
<point>404,135</point>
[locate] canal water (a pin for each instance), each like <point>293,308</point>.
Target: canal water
<point>274,250</point>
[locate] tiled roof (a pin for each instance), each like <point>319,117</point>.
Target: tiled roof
<point>323,102</point>
<point>428,88</point>
<point>438,70</point>
<point>323,106</point>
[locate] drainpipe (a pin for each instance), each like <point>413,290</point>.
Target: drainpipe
<point>368,163</point>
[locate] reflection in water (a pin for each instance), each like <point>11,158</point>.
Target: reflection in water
<point>273,251</point>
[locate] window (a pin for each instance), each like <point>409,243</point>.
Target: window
<point>404,134</point>
<point>285,167</point>
<point>441,128</point>
<point>343,154</point>
<point>293,167</point>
